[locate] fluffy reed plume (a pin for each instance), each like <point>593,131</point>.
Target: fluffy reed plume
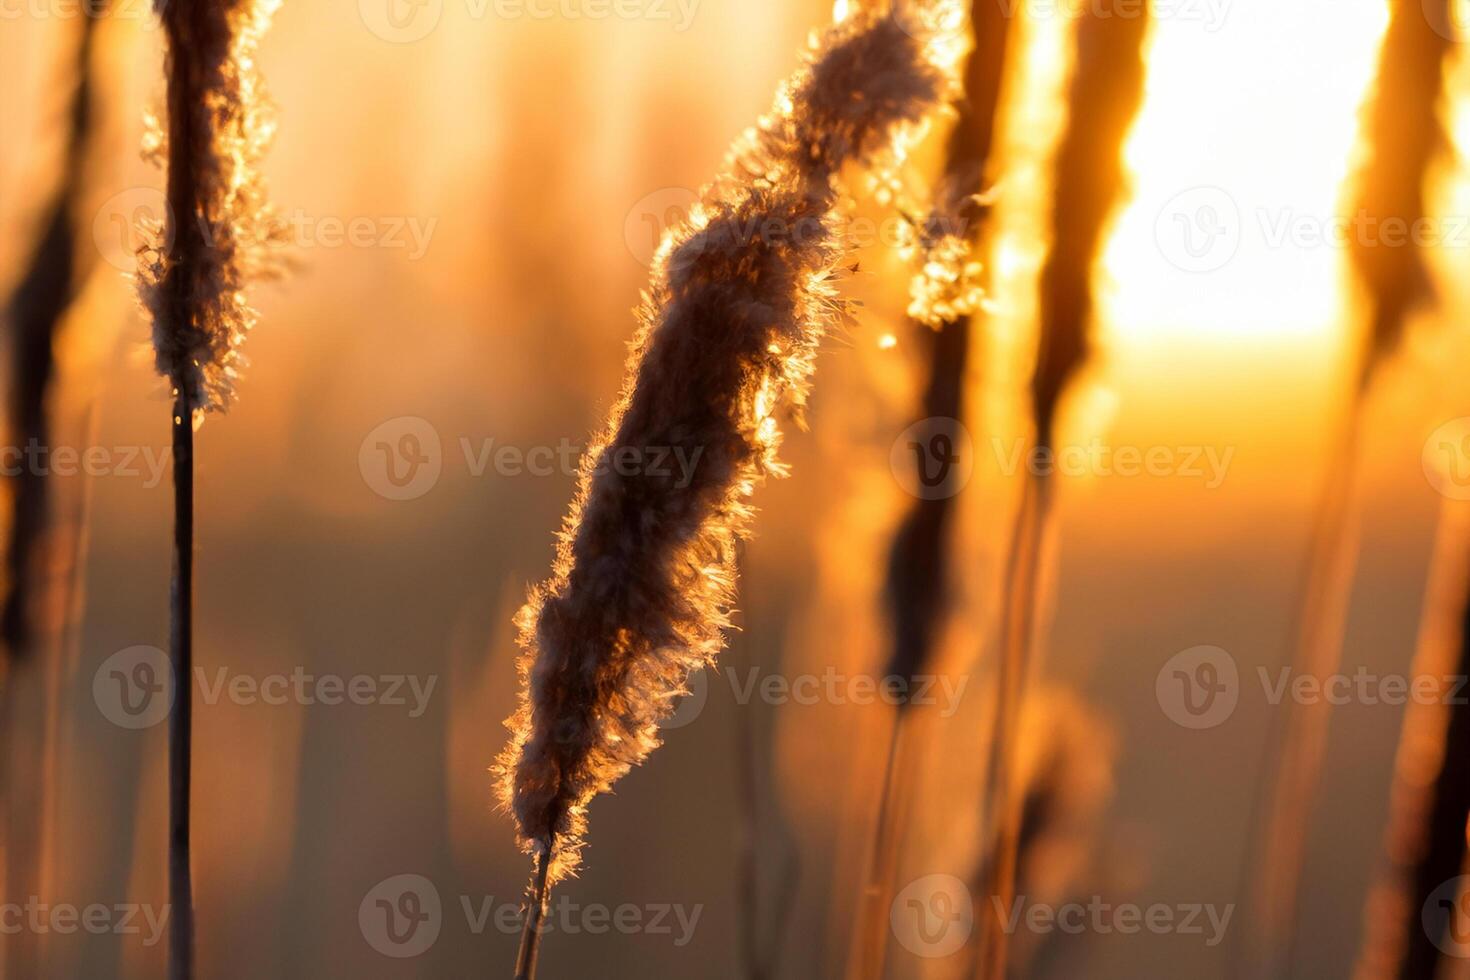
<point>45,290</point>
<point>191,282</point>
<point>1402,146</point>
<point>1424,843</point>
<point>1105,93</point>
<point>945,296</point>
<point>739,299</point>
<point>192,276</point>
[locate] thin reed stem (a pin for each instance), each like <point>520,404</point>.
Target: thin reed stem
<point>918,578</point>
<point>537,895</point>
<point>1002,801</point>
<point>762,937</point>
<point>188,246</point>
<point>40,300</point>
<point>1297,734</point>
<point>1105,93</point>
<point>1390,187</point>
<point>870,939</point>
<point>45,291</point>
<point>1424,842</point>
<point>180,721</point>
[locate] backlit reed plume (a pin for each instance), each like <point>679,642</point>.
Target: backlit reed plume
<point>47,287</point>
<point>191,282</point>
<point>946,295</point>
<point>1402,136</point>
<point>739,299</point>
<point>1105,93</point>
<point>1424,844</point>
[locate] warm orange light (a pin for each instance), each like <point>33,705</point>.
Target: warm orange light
<point>1247,132</point>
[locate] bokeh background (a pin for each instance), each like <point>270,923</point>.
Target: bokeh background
<point>538,158</point>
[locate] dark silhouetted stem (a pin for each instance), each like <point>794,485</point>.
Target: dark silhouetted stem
<point>1002,801</point>
<point>535,915</point>
<point>1403,146</point>
<point>1105,94</point>
<point>916,587</point>
<point>180,733</point>
<point>1424,843</point>
<point>36,308</point>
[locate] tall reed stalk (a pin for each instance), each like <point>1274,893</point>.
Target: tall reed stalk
<point>1105,93</point>
<point>1067,759</point>
<point>946,314</point>
<point>739,300</point>
<point>1402,144</point>
<point>1424,844</point>
<point>192,280</point>
<point>44,292</point>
